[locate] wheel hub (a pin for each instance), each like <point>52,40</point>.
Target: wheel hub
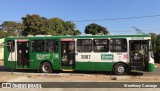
<point>121,69</point>
<point>45,68</point>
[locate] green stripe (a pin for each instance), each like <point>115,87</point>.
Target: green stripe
<point>94,66</point>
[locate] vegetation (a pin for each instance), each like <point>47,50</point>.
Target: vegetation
<point>35,24</point>
<point>95,29</point>
<point>156,46</point>
<point>10,28</point>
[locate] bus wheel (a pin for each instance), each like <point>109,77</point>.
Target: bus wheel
<point>46,67</point>
<point>120,69</point>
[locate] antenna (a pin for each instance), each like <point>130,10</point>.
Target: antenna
<point>139,31</point>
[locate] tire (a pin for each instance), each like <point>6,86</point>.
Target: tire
<point>46,67</point>
<point>120,69</point>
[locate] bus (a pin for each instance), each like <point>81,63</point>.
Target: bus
<point>119,54</point>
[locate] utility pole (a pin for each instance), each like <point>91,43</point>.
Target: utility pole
<point>139,31</point>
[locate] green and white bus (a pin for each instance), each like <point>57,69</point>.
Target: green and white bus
<point>117,53</point>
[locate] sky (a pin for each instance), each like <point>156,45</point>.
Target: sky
<point>79,10</point>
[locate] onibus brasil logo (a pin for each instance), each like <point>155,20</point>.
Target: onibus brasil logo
<point>21,85</point>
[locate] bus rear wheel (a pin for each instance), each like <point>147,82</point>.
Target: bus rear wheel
<point>120,69</point>
<point>46,67</point>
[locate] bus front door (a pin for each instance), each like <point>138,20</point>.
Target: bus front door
<point>67,55</point>
<point>139,54</point>
<point>22,54</point>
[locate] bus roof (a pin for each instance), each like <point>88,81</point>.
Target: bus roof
<point>84,36</point>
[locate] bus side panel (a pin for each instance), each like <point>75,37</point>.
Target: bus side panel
<point>151,67</point>
<point>9,62</point>
<point>94,66</point>
<point>37,58</point>
<point>36,64</point>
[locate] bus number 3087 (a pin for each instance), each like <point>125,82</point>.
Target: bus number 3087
<point>85,56</point>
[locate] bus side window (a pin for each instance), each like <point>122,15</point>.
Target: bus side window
<point>84,45</point>
<point>51,46</point>
<point>37,45</point>
<point>10,45</point>
<point>118,45</point>
<point>101,45</point>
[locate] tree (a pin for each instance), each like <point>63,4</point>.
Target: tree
<point>58,26</point>
<point>157,53</point>
<point>155,40</point>
<point>95,29</point>
<point>77,32</point>
<point>11,28</point>
<point>34,24</point>
<point>70,28</point>
<point>2,34</point>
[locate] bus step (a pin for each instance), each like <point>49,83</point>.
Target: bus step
<point>67,70</point>
<point>137,68</point>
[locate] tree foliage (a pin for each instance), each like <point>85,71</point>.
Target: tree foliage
<point>77,32</point>
<point>35,24</point>
<point>95,29</point>
<point>10,28</point>
<point>155,40</point>
<point>2,34</point>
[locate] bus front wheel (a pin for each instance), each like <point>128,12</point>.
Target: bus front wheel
<point>120,69</point>
<point>46,67</point>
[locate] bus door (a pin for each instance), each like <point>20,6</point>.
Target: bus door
<point>139,54</point>
<point>67,54</point>
<point>22,53</point>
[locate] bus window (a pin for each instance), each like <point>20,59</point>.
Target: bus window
<point>101,45</point>
<point>51,46</point>
<point>10,45</point>
<point>84,45</point>
<point>37,45</point>
<point>118,45</point>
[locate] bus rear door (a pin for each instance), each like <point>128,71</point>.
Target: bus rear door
<point>67,54</point>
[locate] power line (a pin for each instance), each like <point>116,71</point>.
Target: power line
<point>113,19</point>
<point>110,19</point>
